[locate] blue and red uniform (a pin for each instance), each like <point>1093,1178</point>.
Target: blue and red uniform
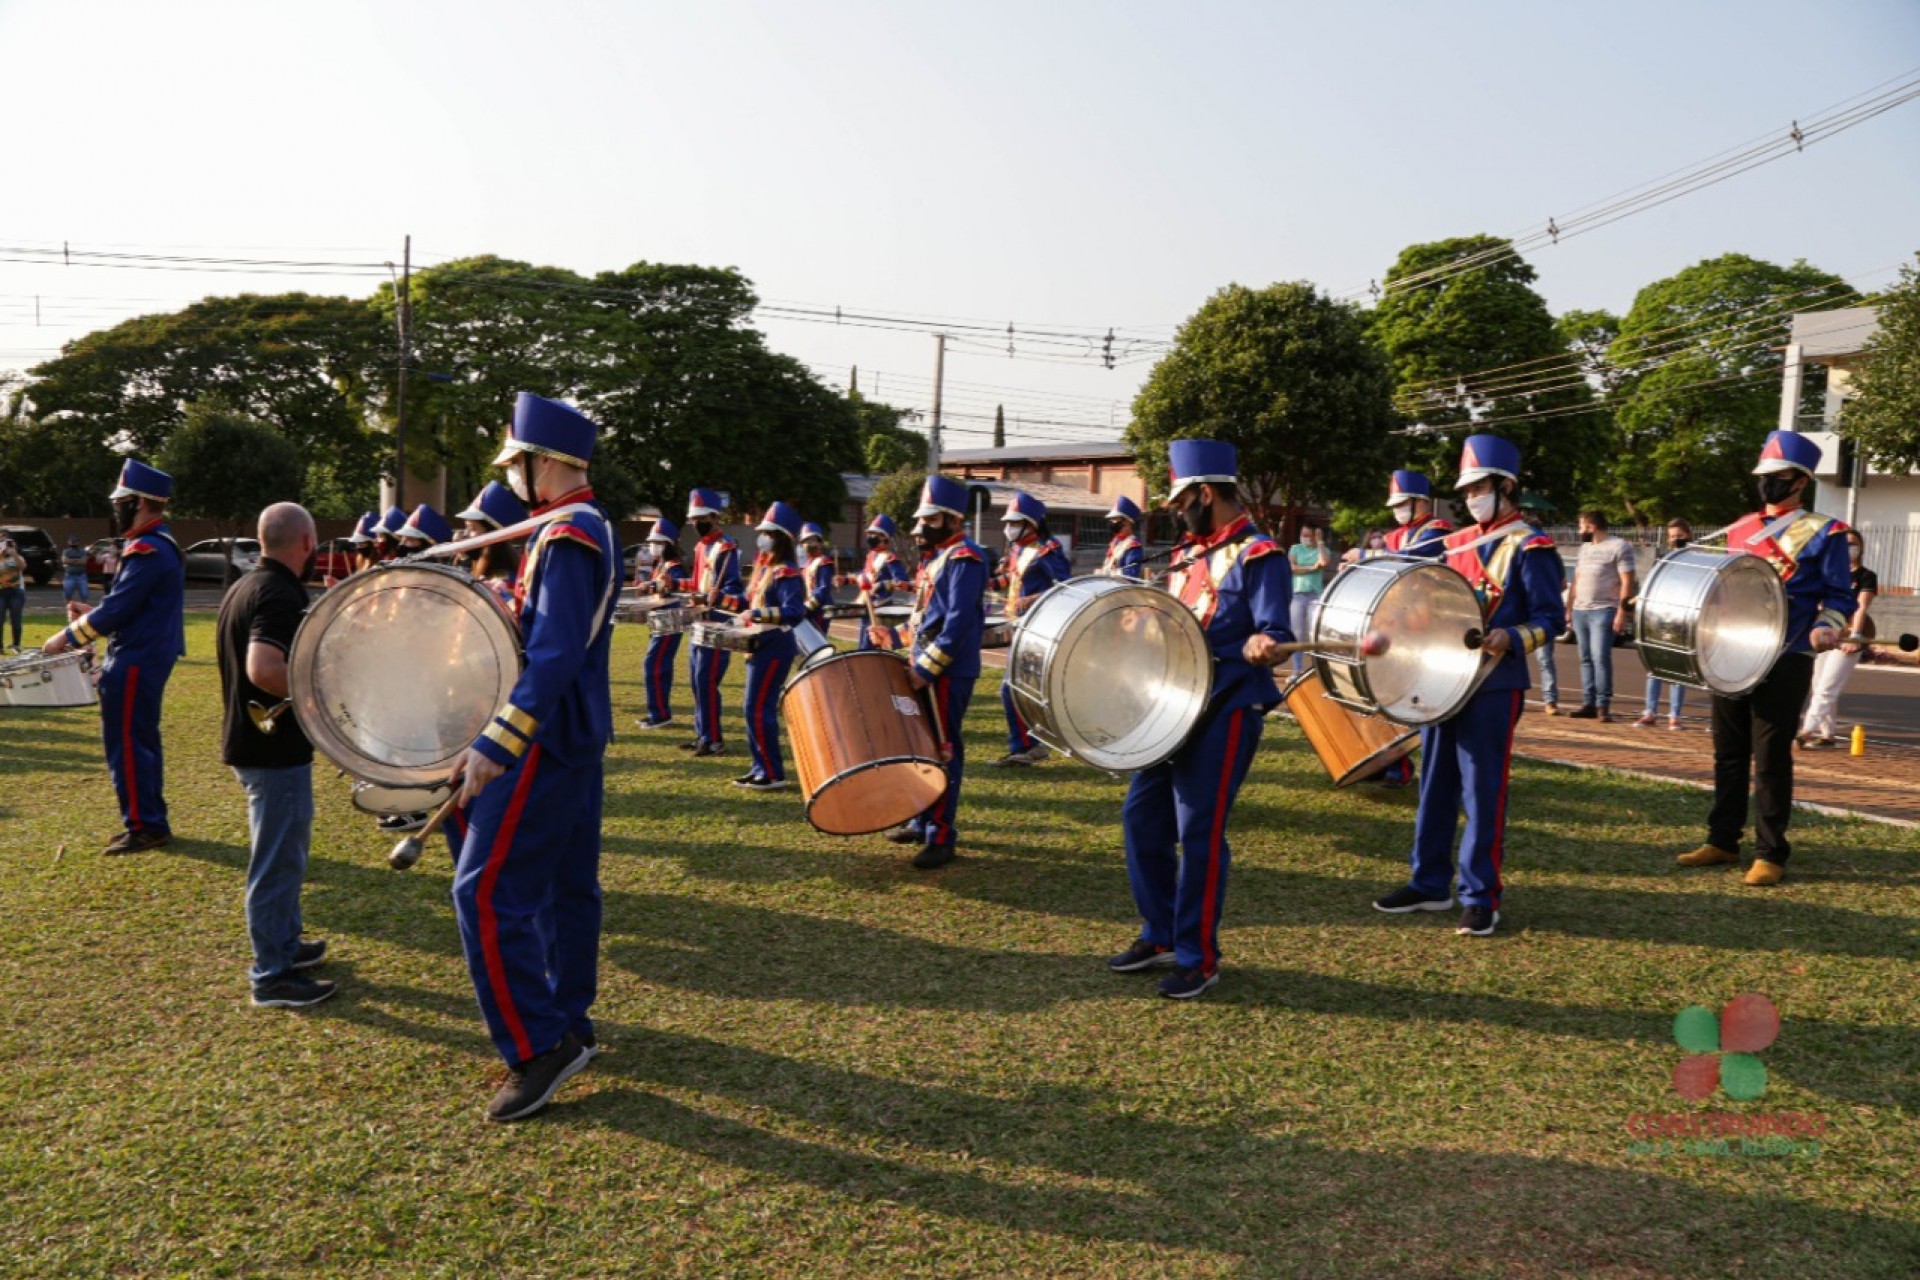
<point>144,614</point>
<point>948,618</point>
<point>526,888</point>
<point>879,578</point>
<point>663,650</point>
<point>716,572</point>
<point>778,598</point>
<point>1237,583</point>
<point>818,576</point>
<point>1126,557</point>
<point>1467,758</point>
<point>1032,565</point>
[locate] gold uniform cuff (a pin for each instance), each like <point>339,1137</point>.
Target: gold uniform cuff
<point>79,633</point>
<point>512,730</point>
<point>935,659</point>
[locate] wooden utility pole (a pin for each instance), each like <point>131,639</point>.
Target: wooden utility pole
<point>403,318</point>
<point>939,384</point>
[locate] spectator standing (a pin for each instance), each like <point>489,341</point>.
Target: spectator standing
<point>1310,561</point>
<point>275,768</point>
<point>1679,537</point>
<point>13,589</point>
<point>1602,585</point>
<point>73,569</point>
<point>1832,668</point>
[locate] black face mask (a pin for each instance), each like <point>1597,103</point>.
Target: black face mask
<point>703,527</point>
<point>125,512</point>
<point>930,536</point>
<point>306,570</point>
<point>1586,537</point>
<point>876,542</point>
<point>1778,487</point>
<point>1198,518</point>
<point>1681,544</point>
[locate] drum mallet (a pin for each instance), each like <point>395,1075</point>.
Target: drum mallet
<point>1371,645</point>
<point>407,852</point>
<point>1905,644</point>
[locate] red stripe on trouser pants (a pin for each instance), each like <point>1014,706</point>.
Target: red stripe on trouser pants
<point>489,925</point>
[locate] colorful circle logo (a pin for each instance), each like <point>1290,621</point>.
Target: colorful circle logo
<point>1721,1048</point>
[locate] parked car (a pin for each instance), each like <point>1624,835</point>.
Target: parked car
<point>103,559</point>
<point>334,558</point>
<point>37,549</point>
<point>209,559</point>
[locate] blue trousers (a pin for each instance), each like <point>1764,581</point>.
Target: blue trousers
<point>1175,820</point>
<point>662,652</point>
<point>1019,736</point>
<point>280,834</point>
<point>1676,697</point>
<point>766,677</point>
<point>73,586</point>
<point>526,891</point>
<point>949,698</point>
<point>130,694</point>
<point>709,667</point>
<point>1593,628</point>
<point>13,602</point>
<point>1549,674</point>
<point>1467,760</point>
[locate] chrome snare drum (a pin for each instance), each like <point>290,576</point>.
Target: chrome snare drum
<point>721,635</point>
<point>1710,619</point>
<point>1431,618</point>
<point>1111,671</point>
<point>671,620</point>
<point>396,670</point>
<point>35,679</point>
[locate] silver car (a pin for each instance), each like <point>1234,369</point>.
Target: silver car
<point>209,559</point>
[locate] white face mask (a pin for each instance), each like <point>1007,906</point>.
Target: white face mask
<point>1013,531</point>
<point>1484,506</point>
<point>764,542</point>
<point>1403,514</point>
<point>517,479</point>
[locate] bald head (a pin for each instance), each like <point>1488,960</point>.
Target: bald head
<point>286,534</point>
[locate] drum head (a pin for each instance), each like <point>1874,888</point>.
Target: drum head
<point>1742,625</point>
<point>371,797</point>
<point>1426,610</point>
<point>396,670</point>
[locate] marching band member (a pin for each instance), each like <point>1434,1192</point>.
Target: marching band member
<point>1236,580</point>
<point>1126,556</point>
<point>1418,533</point>
<point>880,575</point>
<point>1034,562</point>
<point>144,612</point>
<point>1468,756</point>
<point>362,541</point>
<point>424,528</point>
<point>716,584</point>
<point>949,612</point>
<point>497,565</point>
<point>526,889</point>
<point>663,649</point>
<point>778,597</point>
<point>386,534</point>
<point>817,573</point>
<point>1753,733</point>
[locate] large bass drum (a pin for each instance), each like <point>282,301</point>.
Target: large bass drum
<point>863,744</point>
<point>1111,671</point>
<point>1431,617</point>
<point>1353,747</point>
<point>1710,619</point>
<point>398,669</point>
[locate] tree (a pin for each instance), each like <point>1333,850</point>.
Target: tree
<point>1883,414</point>
<point>885,444</point>
<point>999,426</point>
<point>1698,371</point>
<point>227,467</point>
<point>1287,376</point>
<point>897,494</point>
<point>1479,346</point>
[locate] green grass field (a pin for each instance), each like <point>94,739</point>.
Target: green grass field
<point>823,1062</point>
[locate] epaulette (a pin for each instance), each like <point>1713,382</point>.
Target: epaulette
<point>1438,525</point>
<point>137,548</point>
<point>964,552</point>
<point>1538,542</point>
<point>573,532</point>
<point>1260,547</point>
<point>785,571</point>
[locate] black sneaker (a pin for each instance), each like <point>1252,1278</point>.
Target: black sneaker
<point>530,1088</point>
<point>695,745</point>
<point>746,779</point>
<point>293,991</point>
<point>397,823</point>
<point>1185,984</point>
<point>905,833</point>
<point>1141,955</point>
<point>710,749</point>
<point>309,955</point>
<point>934,855</point>
<point>137,842</point>
<point>1478,922</point>
<point>653,724</point>
<point>767,784</point>
<point>1407,898</point>
<point>591,1044</point>
<point>1584,713</point>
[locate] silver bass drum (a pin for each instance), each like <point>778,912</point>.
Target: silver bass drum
<point>1111,671</point>
<point>1710,619</point>
<point>1431,618</point>
<point>396,670</point>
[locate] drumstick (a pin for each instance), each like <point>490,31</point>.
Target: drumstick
<point>1906,643</point>
<point>1371,645</point>
<point>407,852</point>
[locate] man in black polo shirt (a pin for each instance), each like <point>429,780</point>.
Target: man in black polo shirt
<point>275,768</point>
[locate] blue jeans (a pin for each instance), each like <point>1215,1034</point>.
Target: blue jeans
<point>1549,674</point>
<point>73,586</point>
<point>1676,697</point>
<point>1300,621</point>
<point>1593,628</point>
<point>13,602</point>
<point>280,828</point>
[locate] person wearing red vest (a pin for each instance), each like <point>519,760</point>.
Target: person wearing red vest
<point>1418,533</point>
<point>1126,555</point>
<point>1467,757</point>
<point>1034,562</point>
<point>1753,733</point>
<point>715,584</point>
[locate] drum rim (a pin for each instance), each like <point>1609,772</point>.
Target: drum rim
<point>1713,561</point>
<point>380,774</point>
<point>813,667</point>
<point>1402,566</point>
<point>434,798</point>
<point>865,766</point>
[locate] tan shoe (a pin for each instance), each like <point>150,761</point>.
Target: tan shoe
<point>1763,873</point>
<point>1707,855</point>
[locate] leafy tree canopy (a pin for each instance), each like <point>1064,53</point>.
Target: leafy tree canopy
<point>1883,413</point>
<point>227,466</point>
<point>897,494</point>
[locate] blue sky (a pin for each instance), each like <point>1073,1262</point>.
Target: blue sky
<point>1064,163</point>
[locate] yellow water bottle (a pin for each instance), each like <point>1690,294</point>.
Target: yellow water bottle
<point>1859,747</point>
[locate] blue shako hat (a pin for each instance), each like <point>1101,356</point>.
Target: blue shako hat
<point>426,523</point>
<point>1483,456</point>
<point>550,429</point>
<point>1024,506</point>
<point>1406,486</point>
<point>1124,508</point>
<point>811,530</point>
<point>940,496</point>
<point>1787,451</point>
<point>664,530</point>
<point>780,518</point>
<point>363,531</point>
<point>883,523</point>
<point>138,480</point>
<point>1191,462</point>
<point>392,523</point>
<point>496,506</point>
<point>703,502</point>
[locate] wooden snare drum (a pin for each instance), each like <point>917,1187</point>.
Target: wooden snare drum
<point>1352,746</point>
<point>863,743</point>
